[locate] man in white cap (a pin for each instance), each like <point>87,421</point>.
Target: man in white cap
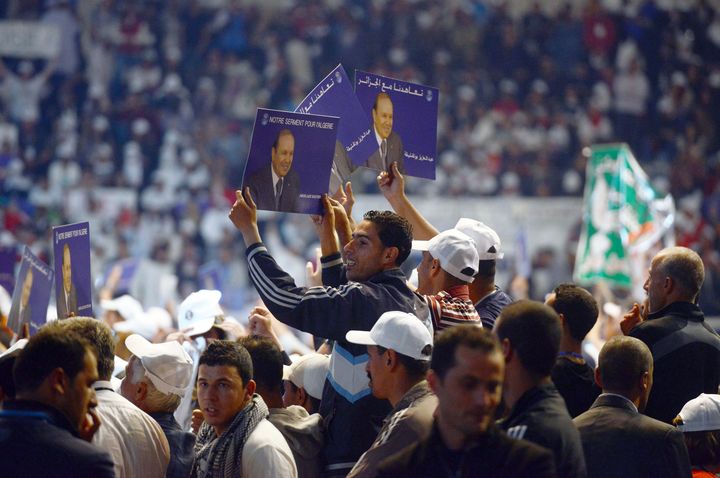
<point>156,378</point>
<point>399,348</point>
<point>303,381</point>
<point>488,298</point>
<point>448,265</point>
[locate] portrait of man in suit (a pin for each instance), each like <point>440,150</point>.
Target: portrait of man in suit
<point>20,310</point>
<point>390,146</point>
<point>276,187</point>
<point>67,298</point>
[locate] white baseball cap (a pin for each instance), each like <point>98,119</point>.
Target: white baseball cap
<point>309,372</point>
<point>199,312</point>
<point>701,414</point>
<point>127,306</point>
<point>400,331</point>
<point>167,365</point>
<point>456,252</point>
<point>485,238</point>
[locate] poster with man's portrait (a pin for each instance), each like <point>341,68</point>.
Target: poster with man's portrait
<point>32,294</point>
<point>7,268</point>
<point>403,117</point>
<point>73,288</point>
<point>335,96</point>
<point>288,166</point>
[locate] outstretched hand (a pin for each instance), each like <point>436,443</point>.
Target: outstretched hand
<point>325,227</point>
<point>634,317</point>
<point>244,216</point>
<point>346,198</point>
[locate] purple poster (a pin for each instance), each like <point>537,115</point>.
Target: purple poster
<point>288,167</point>
<point>7,268</point>
<point>32,295</point>
<point>404,119</point>
<point>73,290</point>
<point>127,268</point>
<point>334,96</point>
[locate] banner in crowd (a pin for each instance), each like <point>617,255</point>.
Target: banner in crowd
<point>622,216</point>
<point>73,290</point>
<point>7,268</point>
<point>32,295</point>
<point>334,96</point>
<point>29,39</point>
<point>404,123</point>
<point>120,274</point>
<point>288,166</point>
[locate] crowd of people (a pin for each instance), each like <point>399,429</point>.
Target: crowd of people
<point>147,112</point>
<point>450,379</point>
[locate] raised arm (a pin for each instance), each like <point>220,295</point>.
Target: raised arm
<point>392,185</point>
<point>244,216</point>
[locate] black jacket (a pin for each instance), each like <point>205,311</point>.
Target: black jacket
<point>493,455</point>
<point>686,356</point>
<point>38,441</point>
<point>353,416</point>
<point>619,441</point>
<point>540,416</point>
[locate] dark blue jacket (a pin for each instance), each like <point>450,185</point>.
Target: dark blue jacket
<point>182,443</point>
<point>353,416</point>
<point>38,441</point>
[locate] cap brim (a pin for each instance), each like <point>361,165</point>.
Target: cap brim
<point>138,345</point>
<point>360,337</point>
<point>420,245</point>
<point>199,328</point>
<point>109,304</point>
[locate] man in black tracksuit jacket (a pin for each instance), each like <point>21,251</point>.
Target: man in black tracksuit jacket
<point>353,298</point>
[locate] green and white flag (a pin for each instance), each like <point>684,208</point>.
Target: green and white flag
<point>622,216</point>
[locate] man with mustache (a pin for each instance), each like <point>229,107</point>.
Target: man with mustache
<point>276,187</point>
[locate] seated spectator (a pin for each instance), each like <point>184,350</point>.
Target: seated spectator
<point>156,377</point>
<point>303,381</point>
<point>135,441</point>
<point>236,439</point>
<point>699,420</point>
<point>617,438</point>
<point>53,378</point>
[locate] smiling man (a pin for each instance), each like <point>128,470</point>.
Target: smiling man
<point>353,298</point>
<point>236,439</point>
<point>67,298</point>
<point>276,187</point>
<point>390,146</point>
<point>466,374</point>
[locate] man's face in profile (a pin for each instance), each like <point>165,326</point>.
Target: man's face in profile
<point>66,269</point>
<point>27,288</point>
<point>282,156</point>
<point>383,117</point>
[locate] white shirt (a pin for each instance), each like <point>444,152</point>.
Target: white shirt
<point>135,441</point>
<point>267,454</point>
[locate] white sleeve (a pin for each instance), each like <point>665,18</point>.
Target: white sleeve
<point>267,455</point>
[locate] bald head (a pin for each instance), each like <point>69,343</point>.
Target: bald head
<point>623,363</point>
<point>685,267</point>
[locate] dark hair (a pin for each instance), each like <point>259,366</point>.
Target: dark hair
<point>685,267</point>
<point>703,447</point>
<point>486,268</point>
<point>533,330</point>
<point>448,341</point>
<point>416,369</point>
<point>100,338</point>
<point>52,347</point>
<point>227,352</point>
<point>380,95</point>
<point>622,362</point>
<point>579,308</point>
<point>267,361</point>
<point>282,132</point>
<point>393,230</point>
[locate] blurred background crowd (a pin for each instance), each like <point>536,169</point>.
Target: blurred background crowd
<point>142,123</point>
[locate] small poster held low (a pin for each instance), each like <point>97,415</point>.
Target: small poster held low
<point>404,123</point>
<point>334,96</point>
<point>32,294</point>
<point>288,167</point>
<point>73,291</point>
